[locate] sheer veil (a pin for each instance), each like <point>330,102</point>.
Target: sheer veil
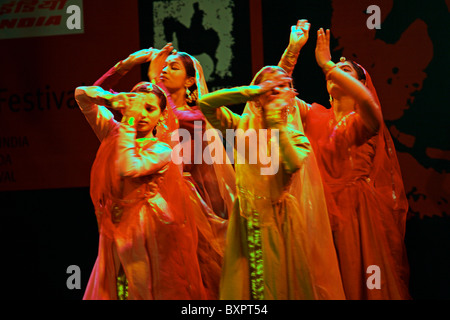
<point>307,190</point>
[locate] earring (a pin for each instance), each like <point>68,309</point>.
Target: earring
<point>161,121</point>
<point>189,99</point>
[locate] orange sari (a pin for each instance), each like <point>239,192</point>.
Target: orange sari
<point>366,202</point>
<point>148,236</point>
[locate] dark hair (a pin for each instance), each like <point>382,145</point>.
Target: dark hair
<point>190,70</point>
<point>147,87</point>
<point>359,71</point>
<point>187,62</point>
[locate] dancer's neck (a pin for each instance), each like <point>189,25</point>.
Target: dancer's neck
<point>343,106</point>
<point>179,97</point>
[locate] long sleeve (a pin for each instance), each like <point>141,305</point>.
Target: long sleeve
<point>288,61</point>
<point>220,117</point>
<point>99,118</point>
<point>303,108</point>
<point>109,79</point>
<point>294,148</point>
<point>134,162</point>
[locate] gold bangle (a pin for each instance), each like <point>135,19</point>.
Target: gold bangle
<point>328,67</point>
<point>292,54</point>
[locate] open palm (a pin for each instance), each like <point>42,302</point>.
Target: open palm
<point>299,35</point>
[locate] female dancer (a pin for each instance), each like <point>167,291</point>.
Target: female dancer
<point>212,187</point>
<point>148,241</point>
<point>279,242</point>
<point>362,180</point>
<point>181,75</point>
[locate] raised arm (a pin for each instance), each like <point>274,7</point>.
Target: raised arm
<point>158,63</point>
<point>367,108</point>
<point>113,75</point>
<point>220,117</point>
<point>91,101</point>
<point>298,38</point>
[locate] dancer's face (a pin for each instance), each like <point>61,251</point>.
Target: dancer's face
<point>151,112</point>
<point>174,74</point>
<point>282,91</point>
<point>333,88</point>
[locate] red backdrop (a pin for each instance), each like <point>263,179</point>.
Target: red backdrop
<point>45,142</point>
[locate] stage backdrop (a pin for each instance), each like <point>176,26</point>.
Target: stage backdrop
<point>45,142</point>
<point>216,32</point>
<point>47,148</point>
<point>407,58</point>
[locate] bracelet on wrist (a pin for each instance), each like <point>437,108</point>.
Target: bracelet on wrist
<point>328,67</point>
<point>292,53</point>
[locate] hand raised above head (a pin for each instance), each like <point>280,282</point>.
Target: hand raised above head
<point>137,58</point>
<point>299,35</point>
<point>322,52</point>
<point>132,105</point>
<point>159,61</point>
<point>93,94</point>
<point>122,100</point>
<point>143,55</point>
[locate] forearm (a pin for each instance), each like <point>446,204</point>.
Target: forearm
<point>298,38</point>
<point>289,60</point>
<point>99,118</point>
<point>293,145</point>
<point>221,117</point>
<point>225,97</point>
<point>113,75</point>
<point>89,97</point>
<point>109,79</point>
<point>293,149</point>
